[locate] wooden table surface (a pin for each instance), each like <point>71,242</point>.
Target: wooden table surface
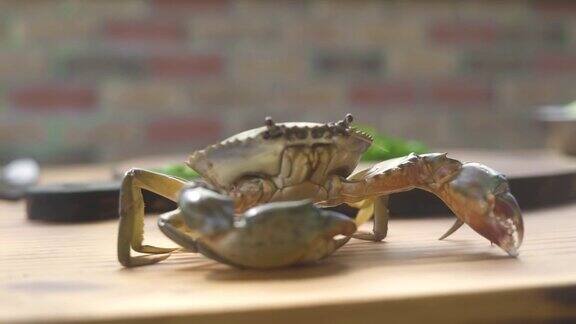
<point>59,273</point>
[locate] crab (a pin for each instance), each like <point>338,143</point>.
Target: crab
<point>261,202</point>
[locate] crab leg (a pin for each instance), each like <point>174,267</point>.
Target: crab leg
<point>131,228</point>
<point>478,195</point>
<point>378,208</point>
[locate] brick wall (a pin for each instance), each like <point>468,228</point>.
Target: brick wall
<point>93,80</point>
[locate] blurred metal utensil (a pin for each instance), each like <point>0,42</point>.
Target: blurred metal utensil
<point>17,176</point>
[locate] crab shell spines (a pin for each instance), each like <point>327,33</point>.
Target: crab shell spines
<point>259,151</point>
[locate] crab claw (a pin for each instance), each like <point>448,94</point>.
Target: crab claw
<point>481,198</point>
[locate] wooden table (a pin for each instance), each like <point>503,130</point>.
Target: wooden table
<point>62,273</point>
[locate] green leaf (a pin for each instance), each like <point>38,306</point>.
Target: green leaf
<point>178,170</point>
<point>385,147</point>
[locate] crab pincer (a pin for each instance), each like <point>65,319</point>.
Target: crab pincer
<point>481,198</point>
<point>267,236</point>
<point>478,195</point>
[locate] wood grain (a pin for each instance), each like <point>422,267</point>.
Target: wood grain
<point>65,273</point>
<point>69,273</point>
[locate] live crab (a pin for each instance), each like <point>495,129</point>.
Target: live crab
<point>259,204</point>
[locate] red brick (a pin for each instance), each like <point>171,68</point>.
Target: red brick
<point>145,31</point>
<point>51,98</point>
<point>189,6</point>
<point>467,32</point>
<point>382,94</point>
<point>556,63</point>
<point>186,129</point>
<point>186,65</point>
<point>457,92</point>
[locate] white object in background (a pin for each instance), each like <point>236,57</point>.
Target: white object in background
<point>17,176</point>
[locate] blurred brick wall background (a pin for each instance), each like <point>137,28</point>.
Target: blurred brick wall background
<point>102,80</point>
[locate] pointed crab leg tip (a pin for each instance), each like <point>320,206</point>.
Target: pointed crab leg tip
<point>143,260</point>
<point>452,229</point>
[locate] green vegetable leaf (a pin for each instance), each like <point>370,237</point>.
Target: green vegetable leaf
<point>178,170</point>
<point>385,147</point>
